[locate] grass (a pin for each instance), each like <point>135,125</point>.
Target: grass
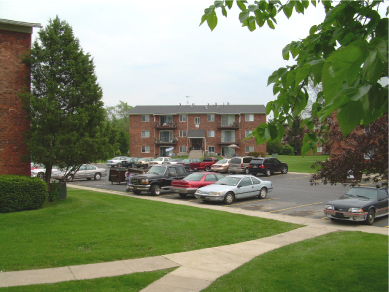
<point>300,163</point>
<point>91,227</point>
<point>342,261</point>
<point>127,283</point>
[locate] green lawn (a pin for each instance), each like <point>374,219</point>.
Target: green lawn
<point>341,261</point>
<point>91,227</point>
<point>300,163</point>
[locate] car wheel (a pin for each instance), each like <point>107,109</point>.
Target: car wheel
<point>182,195</point>
<point>207,168</point>
<point>284,170</point>
<point>97,176</point>
<point>229,198</point>
<point>136,192</point>
<point>70,177</point>
<point>262,193</point>
<point>40,175</point>
<point>268,172</point>
<point>370,217</point>
<point>246,171</point>
<point>155,190</point>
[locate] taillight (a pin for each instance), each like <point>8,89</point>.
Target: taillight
<point>262,166</point>
<point>242,166</point>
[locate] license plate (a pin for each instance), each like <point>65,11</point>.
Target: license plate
<point>177,190</point>
<point>339,215</point>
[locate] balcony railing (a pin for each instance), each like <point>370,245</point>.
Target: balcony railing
<point>166,142</point>
<point>233,126</point>
<point>228,143</point>
<point>165,126</point>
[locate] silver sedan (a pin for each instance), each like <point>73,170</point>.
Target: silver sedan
<point>86,171</point>
<point>233,187</point>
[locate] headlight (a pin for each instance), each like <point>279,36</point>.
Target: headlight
<point>330,207</point>
<point>355,210</point>
<point>145,181</point>
<point>214,193</point>
<point>198,192</point>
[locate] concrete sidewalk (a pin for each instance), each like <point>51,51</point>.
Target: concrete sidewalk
<point>196,269</point>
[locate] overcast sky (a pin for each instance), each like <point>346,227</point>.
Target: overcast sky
<point>154,52</point>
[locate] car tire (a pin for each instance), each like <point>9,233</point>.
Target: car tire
<point>155,190</point>
<point>229,198</point>
<point>136,192</point>
<point>182,195</point>
<point>284,170</point>
<point>267,172</point>
<point>370,217</point>
<point>247,171</point>
<point>97,176</point>
<point>40,175</point>
<point>207,168</point>
<point>262,193</point>
<point>70,177</point>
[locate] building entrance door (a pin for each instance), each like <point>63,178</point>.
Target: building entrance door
<point>197,144</point>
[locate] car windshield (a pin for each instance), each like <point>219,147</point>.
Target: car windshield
<point>362,193</point>
<point>116,158</point>
<point>157,170</point>
<point>228,181</point>
<point>159,159</point>
<point>194,176</point>
<point>222,161</point>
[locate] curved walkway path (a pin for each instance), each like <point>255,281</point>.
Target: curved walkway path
<point>197,269</point>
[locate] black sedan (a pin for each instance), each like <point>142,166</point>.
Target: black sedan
<point>359,204</point>
<point>267,166</point>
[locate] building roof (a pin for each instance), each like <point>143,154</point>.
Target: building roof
<point>198,109</point>
<point>19,26</point>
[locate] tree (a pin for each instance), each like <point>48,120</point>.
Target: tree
<point>295,134</point>
<point>65,107</point>
<point>364,151</point>
<point>347,53</point>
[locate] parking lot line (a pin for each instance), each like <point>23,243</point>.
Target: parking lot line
<point>261,200</point>
<point>295,207</point>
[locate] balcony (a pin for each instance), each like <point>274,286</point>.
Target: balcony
<point>165,126</point>
<point>166,142</point>
<point>228,143</point>
<point>233,126</point>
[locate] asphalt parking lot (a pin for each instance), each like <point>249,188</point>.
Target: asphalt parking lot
<point>292,195</point>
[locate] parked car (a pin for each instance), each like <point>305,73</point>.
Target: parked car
<point>36,165</point>
<point>176,161</point>
<point>86,171</point>
<point>160,160</point>
<point>233,187</point>
<point>221,166</point>
<point>190,183</point>
<point>40,172</point>
<point>117,161</point>
<point>186,162</point>
<point>129,162</point>
<point>267,166</point>
<point>205,164</point>
<point>359,204</point>
<point>143,162</point>
<point>240,164</point>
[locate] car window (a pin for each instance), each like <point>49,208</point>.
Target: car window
<point>255,181</point>
<point>219,176</point>
<point>276,161</point>
<point>247,159</point>
<point>382,194</point>
<point>157,170</point>
<point>181,170</point>
<point>210,177</point>
<point>90,167</point>
<point>229,181</point>
<point>82,167</point>
<point>245,182</point>
<point>194,176</point>
<point>172,170</point>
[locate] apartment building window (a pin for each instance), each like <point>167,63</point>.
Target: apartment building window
<point>228,120</point>
<point>182,118</point>
<point>166,120</point>
<point>183,149</point>
<point>182,133</point>
<point>197,120</point>
<point>248,132</point>
<point>249,149</point>
<point>228,136</point>
<point>145,149</point>
<point>211,149</point>
<point>145,118</point>
<point>249,118</point>
<point>145,134</point>
<point>211,118</point>
<point>211,133</point>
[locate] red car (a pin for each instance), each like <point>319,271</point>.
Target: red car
<point>190,183</point>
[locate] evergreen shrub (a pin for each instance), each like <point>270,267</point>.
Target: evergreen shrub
<point>18,193</point>
<point>287,150</point>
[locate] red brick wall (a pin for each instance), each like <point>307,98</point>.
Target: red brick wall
<point>13,120</point>
<point>136,128</point>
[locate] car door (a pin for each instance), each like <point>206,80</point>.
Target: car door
<point>382,203</point>
<point>90,171</point>
<point>81,173</point>
<point>245,188</point>
<point>276,165</point>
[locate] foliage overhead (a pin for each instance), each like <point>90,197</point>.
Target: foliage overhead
<point>347,53</point>
<point>67,115</point>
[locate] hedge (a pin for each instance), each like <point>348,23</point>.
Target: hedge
<point>18,193</point>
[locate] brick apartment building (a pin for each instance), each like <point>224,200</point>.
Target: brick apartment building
<point>15,42</point>
<point>163,130</point>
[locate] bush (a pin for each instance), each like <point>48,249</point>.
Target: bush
<point>287,150</point>
<point>273,147</point>
<point>19,193</point>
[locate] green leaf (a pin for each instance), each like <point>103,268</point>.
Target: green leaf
<point>270,24</point>
<point>224,11</point>
<point>251,23</point>
<point>241,5</point>
<point>350,116</point>
<point>218,3</point>
<point>272,78</point>
<point>243,15</point>
<point>203,18</point>
<point>229,3</point>
<point>210,10</point>
<point>252,7</point>
<point>288,9</point>
<point>299,7</point>
<point>302,73</point>
<point>212,20</point>
<point>305,3</point>
<point>285,52</point>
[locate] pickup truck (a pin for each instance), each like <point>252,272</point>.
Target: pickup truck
<point>203,165</point>
<point>158,178</point>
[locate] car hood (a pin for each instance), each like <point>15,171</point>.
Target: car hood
<point>351,202</point>
<point>147,175</point>
<point>216,188</point>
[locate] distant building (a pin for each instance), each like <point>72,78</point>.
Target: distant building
<point>15,42</point>
<point>163,130</point>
